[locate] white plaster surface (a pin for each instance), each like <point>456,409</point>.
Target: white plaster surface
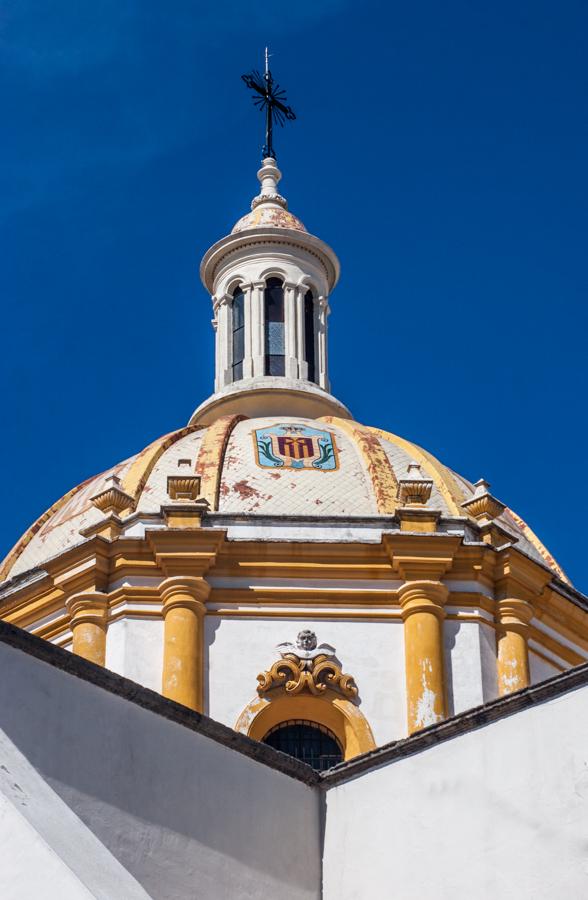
<point>373,652</point>
<point>540,669</point>
<point>186,817</point>
<point>468,664</point>
<point>45,849</point>
<point>134,648</point>
<point>497,814</point>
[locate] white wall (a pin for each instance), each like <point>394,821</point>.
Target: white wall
<point>470,663</point>
<point>540,670</point>
<point>494,814</point>
<point>134,648</point>
<point>373,652</point>
<point>184,815</point>
<point>45,849</point>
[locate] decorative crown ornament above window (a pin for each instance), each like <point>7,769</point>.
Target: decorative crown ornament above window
<point>307,666</point>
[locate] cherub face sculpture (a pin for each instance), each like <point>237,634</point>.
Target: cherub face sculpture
<point>306,640</point>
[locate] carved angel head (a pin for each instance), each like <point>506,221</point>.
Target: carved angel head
<point>306,640</point>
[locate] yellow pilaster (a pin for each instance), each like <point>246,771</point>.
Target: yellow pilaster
<point>89,616</point>
<point>423,612</point>
<point>184,599</point>
<point>512,620</point>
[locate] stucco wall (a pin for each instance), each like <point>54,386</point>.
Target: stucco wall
<point>186,816</point>
<point>134,648</point>
<point>495,814</point>
<point>470,664</point>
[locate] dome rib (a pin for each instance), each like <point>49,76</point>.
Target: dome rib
<point>12,556</point>
<point>379,469</point>
<point>440,474</point>
<point>140,470</point>
<point>211,457</point>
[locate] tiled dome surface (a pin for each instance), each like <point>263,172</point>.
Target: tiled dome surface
<point>227,460</point>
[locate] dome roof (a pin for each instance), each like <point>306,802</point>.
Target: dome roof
<point>355,482</point>
<point>268,216</point>
<point>269,209</point>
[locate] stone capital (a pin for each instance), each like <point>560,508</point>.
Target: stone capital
<point>421,557</point>
<point>185,552</point>
<point>90,607</point>
<point>514,614</point>
<point>423,596</point>
<point>184,592</point>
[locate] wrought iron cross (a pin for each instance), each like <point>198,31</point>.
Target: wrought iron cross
<point>271,98</point>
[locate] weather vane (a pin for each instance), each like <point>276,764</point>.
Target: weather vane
<point>271,98</point>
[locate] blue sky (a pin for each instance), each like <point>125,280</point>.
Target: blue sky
<point>439,148</point>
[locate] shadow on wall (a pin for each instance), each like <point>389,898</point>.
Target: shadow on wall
<point>173,806</point>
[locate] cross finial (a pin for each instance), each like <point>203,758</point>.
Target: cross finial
<point>271,98</point>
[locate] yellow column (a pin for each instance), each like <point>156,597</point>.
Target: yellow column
<point>89,617</point>
<point>512,619</point>
<point>423,613</point>
<point>184,608</point>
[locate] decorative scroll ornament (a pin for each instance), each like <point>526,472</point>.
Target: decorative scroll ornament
<point>304,666</point>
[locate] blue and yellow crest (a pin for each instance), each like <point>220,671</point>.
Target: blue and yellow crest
<point>295,447</point>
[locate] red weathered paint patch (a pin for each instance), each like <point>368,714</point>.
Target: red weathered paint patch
<point>245,490</point>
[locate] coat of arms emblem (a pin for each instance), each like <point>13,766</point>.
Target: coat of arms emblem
<point>295,447</point>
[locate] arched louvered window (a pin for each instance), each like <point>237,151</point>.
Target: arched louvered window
<point>309,344</point>
<point>238,328</point>
<point>274,327</point>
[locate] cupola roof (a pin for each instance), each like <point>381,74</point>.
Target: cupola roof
<point>268,209</point>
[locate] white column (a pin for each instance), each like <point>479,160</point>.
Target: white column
<point>291,367</point>
<point>224,338</point>
<point>257,323</point>
<point>300,331</point>
<point>323,311</point>
<point>217,379</point>
<point>248,311</point>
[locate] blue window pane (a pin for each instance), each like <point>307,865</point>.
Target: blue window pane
<point>275,365</point>
<point>274,338</point>
<point>238,310</point>
<point>274,327</point>
<point>238,327</point>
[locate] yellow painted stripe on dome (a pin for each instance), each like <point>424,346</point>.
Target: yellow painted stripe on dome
<point>29,534</point>
<point>209,465</point>
<point>140,470</point>
<point>381,473</point>
<point>550,561</point>
<point>441,475</point>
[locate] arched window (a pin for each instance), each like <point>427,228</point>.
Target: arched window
<point>309,335</point>
<point>238,327</point>
<point>312,743</point>
<point>274,327</point>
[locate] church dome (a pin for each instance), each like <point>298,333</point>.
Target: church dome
<point>309,479</point>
